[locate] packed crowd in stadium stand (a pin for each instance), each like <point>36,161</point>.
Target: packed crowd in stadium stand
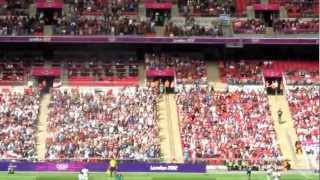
<point>191,28</point>
<point>124,125</point>
<point>188,69</point>
<point>296,26</point>
<point>252,26</point>
<point>99,7</point>
<point>18,120</point>
<point>20,25</point>
<point>241,72</point>
<point>212,123</point>
<point>120,71</point>
<point>103,18</point>
<point>12,70</point>
<point>16,69</point>
<point>103,26</point>
<point>107,125</point>
<point>14,19</point>
<point>16,8</point>
<point>300,8</point>
<point>302,77</point>
<point>206,7</point>
<point>305,108</point>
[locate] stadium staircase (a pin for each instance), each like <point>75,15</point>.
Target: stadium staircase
<point>42,126</point>
<point>269,31</point>
<point>286,134</point>
<point>250,12</point>
<point>32,11</point>
<point>66,9</point>
<point>283,12</point>
<point>169,129</point>
<point>142,76</point>
<point>142,11</point>
<point>159,30</point>
<point>48,30</point>
<point>213,72</point>
<point>214,76</point>
<point>175,11</point>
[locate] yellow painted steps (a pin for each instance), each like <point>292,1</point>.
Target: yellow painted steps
<point>214,76</point>
<point>218,86</point>
<point>164,132</point>
<point>169,129</point>
<point>32,11</point>
<point>48,30</point>
<point>286,134</point>
<point>141,74</point>
<point>213,72</point>
<point>159,30</point>
<point>42,126</point>
<point>175,129</point>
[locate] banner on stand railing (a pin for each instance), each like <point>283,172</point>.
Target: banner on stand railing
<point>103,166</point>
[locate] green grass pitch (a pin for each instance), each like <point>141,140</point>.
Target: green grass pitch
<point>154,176</point>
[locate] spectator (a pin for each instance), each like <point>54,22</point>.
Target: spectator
<point>305,108</point>
<point>98,7</point>
<point>191,29</point>
<point>280,115</point>
<point>253,26</point>
<point>20,25</point>
<point>227,126</point>
<point>82,25</point>
<point>242,72</point>
<point>301,8</point>
<point>296,26</point>
<point>188,69</point>
<point>121,125</point>
<point>302,77</point>
<point>206,7</point>
<point>18,117</point>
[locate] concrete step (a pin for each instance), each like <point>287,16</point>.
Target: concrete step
<point>66,10</point>
<point>142,11</point>
<point>42,126</point>
<point>170,134</point>
<point>175,11</point>
<point>142,76</point>
<point>32,10</point>
<point>283,12</point>
<point>164,132</point>
<point>175,130</point>
<point>179,21</point>
<point>269,31</point>
<point>250,12</point>
<point>48,30</point>
<point>159,30</point>
<point>213,71</point>
<point>219,86</point>
<point>286,134</point>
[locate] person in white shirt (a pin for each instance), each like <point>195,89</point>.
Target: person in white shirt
<point>276,175</point>
<point>85,172</point>
<point>81,176</point>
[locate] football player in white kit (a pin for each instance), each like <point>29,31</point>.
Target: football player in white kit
<point>81,176</point>
<point>276,175</point>
<point>273,173</point>
<point>85,172</point>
